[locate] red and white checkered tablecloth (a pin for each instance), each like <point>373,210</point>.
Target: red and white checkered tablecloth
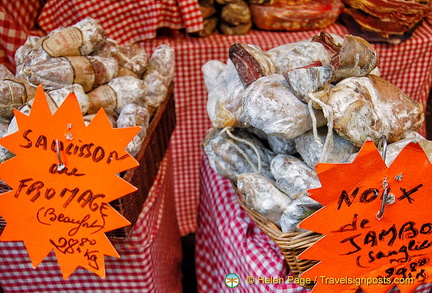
<point>407,65</point>
<point>228,241</point>
<point>150,258</point>
<point>16,24</point>
<point>126,21</point>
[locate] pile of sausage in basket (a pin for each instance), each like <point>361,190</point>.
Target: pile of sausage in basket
<point>126,81</point>
<point>277,113</point>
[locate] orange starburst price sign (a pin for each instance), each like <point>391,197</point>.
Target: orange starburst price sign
<point>376,223</point>
<point>62,178</point>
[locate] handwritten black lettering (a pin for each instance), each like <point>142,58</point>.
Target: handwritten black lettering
<point>85,241</point>
<point>408,229</point>
<point>363,224</point>
<point>71,245</point>
<point>40,217</point>
<point>409,245</point>
<point>421,276</point>
<point>49,193</point>
<point>85,150</point>
<point>426,228</point>
<point>370,238</point>
<point>348,227</point>
<point>47,216</point>
<point>57,144</point>
<point>410,270</point>
<point>104,206</point>
<point>392,231</point>
<point>54,170</point>
<point>86,198</point>
<point>41,142</point>
<point>353,225</point>
<point>71,148</point>
<point>406,194</point>
<point>22,184</point>
<point>371,194</point>
<point>114,156</point>
<point>36,186</point>
<point>412,245</point>
<point>64,245</point>
<point>92,258</point>
<point>353,243</point>
<point>84,224</point>
<point>73,192</point>
<point>98,154</point>
<point>365,196</point>
<point>403,250</point>
<point>25,136</point>
<point>346,198</point>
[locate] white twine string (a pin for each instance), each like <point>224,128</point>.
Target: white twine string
<point>257,169</point>
<point>328,113</point>
<point>129,60</point>
<point>234,145</point>
<point>314,122</point>
<point>11,92</point>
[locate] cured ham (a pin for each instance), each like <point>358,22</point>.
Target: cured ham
<point>384,20</point>
<point>284,15</point>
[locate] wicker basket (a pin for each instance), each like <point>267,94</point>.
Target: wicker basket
<point>3,188</point>
<point>291,244</point>
<point>150,155</point>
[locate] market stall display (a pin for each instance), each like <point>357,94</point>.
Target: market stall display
<point>190,99</point>
<point>251,99</point>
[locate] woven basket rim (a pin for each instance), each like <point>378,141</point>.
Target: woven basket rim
<point>291,243</point>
